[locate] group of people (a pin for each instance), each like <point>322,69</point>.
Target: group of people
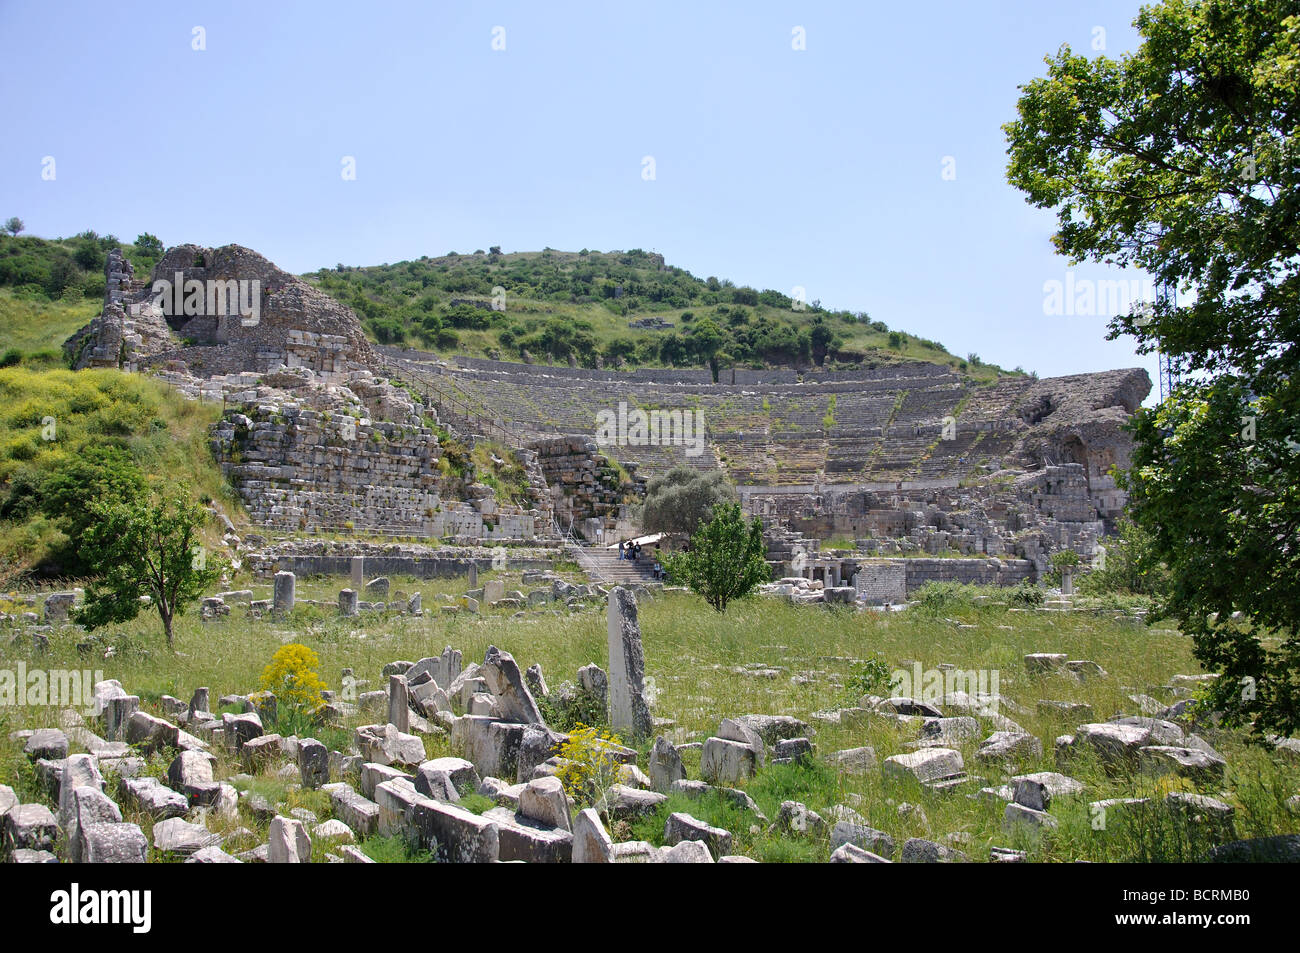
<point>632,551</point>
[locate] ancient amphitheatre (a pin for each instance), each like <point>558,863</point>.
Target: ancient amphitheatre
<point>464,640</point>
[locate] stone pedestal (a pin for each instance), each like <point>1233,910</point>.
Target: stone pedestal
<point>285,586</point>
<point>399,702</point>
<point>628,711</point>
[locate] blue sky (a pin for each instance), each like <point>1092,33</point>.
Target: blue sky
<point>821,168</point>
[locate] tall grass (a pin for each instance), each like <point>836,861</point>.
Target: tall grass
<point>765,656</point>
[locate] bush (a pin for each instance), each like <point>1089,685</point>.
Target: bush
<point>1027,595</point>
<point>683,498</point>
<point>945,596</point>
<point>588,765</point>
<point>292,677</point>
<point>869,677</point>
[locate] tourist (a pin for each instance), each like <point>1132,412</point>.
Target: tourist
<point>620,549</point>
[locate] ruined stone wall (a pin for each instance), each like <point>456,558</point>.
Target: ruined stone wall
<point>334,558</point>
<point>586,489</point>
<point>980,572</point>
<point>882,581</point>
<point>300,469</point>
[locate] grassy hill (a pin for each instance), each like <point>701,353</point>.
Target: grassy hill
<point>586,304</point>
<point>51,287</point>
<point>596,308</point>
<point>53,422</point>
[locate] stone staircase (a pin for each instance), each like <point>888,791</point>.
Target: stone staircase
<point>604,566</point>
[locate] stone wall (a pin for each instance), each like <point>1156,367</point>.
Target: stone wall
<point>586,489</point>
<point>334,558</point>
<point>979,572</point>
<point>299,468</point>
<point>882,581</point>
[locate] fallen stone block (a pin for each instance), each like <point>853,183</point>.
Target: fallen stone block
<point>848,853</point>
<point>928,765</point>
<point>726,762</point>
<point>359,813</point>
<point>591,842</point>
<point>457,835</point>
<point>177,836</point>
<point>683,827</point>
<point>861,836</point>
<point>544,800</point>
<point>288,842</point>
<point>1191,763</point>
<point>112,842</point>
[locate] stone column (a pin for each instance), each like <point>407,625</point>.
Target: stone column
<point>358,572</point>
<point>628,711</point>
<point>1067,581</point>
<point>450,668</point>
<point>473,576</point>
<point>399,702</point>
<point>285,584</point>
<point>117,712</point>
<point>347,602</point>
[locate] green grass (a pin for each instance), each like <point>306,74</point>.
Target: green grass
<point>37,328</point>
<point>695,659</point>
<point>48,417</point>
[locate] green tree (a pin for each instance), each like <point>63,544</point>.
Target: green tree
<point>150,245</point>
<point>820,334</point>
<point>681,499</point>
<point>96,474</point>
<point>14,225</point>
<point>1128,564</point>
<point>149,546</point>
<point>1181,160</point>
<point>726,559</point>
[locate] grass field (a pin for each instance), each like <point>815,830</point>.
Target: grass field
<point>762,656</point>
<point>37,329</point>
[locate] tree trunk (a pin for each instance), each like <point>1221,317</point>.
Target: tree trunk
<point>167,627</point>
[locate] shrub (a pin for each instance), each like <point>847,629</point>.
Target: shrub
<point>681,499</point>
<point>1026,595</point>
<point>292,677</point>
<point>869,677</point>
<point>944,596</point>
<point>588,766</point>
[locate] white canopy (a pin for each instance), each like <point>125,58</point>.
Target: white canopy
<point>643,540</point>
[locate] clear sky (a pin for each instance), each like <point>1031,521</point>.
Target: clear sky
<point>821,167</point>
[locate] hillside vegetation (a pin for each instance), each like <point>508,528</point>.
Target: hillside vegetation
<point>554,306</point>
<point>584,307</point>
<point>67,436</point>
<point>49,288</point>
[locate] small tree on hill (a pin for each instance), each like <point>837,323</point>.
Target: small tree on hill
<point>150,245</point>
<point>726,558</point>
<point>145,547</point>
<point>14,225</point>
